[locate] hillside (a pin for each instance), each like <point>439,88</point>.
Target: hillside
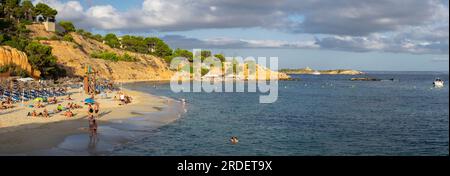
<point>74,56</point>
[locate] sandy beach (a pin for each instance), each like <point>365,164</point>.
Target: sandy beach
<point>22,135</point>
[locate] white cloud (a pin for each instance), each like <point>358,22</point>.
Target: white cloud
<point>415,26</point>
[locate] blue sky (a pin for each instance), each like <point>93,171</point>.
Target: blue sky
<point>368,35</point>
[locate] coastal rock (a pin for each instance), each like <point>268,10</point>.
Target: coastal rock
<point>10,55</point>
<point>247,74</point>
<point>308,70</point>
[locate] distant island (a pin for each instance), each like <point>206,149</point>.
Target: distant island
<point>309,71</point>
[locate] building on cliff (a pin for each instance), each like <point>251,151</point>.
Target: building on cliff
<point>49,24</point>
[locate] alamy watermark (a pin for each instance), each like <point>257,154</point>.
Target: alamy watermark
<point>211,75</point>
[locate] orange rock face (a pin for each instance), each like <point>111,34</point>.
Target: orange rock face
<point>10,55</point>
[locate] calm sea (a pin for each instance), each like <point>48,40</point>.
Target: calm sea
<point>318,115</point>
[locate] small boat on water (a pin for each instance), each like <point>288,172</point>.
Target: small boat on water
<point>438,83</point>
<point>316,73</point>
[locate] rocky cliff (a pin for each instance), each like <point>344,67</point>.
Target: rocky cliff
<point>10,56</point>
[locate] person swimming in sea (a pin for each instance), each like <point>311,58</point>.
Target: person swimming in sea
<point>234,140</point>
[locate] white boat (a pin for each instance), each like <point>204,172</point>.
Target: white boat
<point>316,73</point>
<point>438,83</point>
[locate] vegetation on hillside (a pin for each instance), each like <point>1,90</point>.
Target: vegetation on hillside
<point>67,25</point>
<point>14,16</point>
<point>113,56</point>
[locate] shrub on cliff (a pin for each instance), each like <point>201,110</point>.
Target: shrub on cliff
<point>68,38</point>
<point>67,25</point>
<point>113,56</point>
<point>111,40</point>
<point>14,70</point>
<point>41,58</point>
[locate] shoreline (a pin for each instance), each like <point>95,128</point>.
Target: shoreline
<point>38,136</point>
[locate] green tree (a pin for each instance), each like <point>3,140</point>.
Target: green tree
<point>68,26</point>
<point>112,40</point>
<point>160,48</point>
<point>98,37</point>
<point>28,9</point>
<point>183,53</point>
<point>41,58</point>
<point>45,10</point>
<point>10,7</point>
<point>135,44</point>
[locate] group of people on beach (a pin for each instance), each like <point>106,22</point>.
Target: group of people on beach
<point>46,101</point>
<point>41,114</point>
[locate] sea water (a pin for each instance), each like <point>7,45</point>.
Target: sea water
<point>318,115</point>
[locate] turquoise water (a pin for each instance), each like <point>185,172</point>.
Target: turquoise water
<point>319,115</point>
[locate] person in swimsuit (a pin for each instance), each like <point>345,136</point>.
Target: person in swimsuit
<point>96,109</point>
<point>92,125</point>
<point>90,110</point>
<point>234,140</point>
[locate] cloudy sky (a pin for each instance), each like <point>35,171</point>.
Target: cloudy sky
<point>324,34</point>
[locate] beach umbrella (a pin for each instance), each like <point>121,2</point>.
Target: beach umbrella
<point>39,99</point>
<point>89,101</point>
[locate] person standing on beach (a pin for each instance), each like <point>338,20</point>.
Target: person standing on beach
<point>96,109</point>
<point>92,126</point>
<point>90,110</point>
